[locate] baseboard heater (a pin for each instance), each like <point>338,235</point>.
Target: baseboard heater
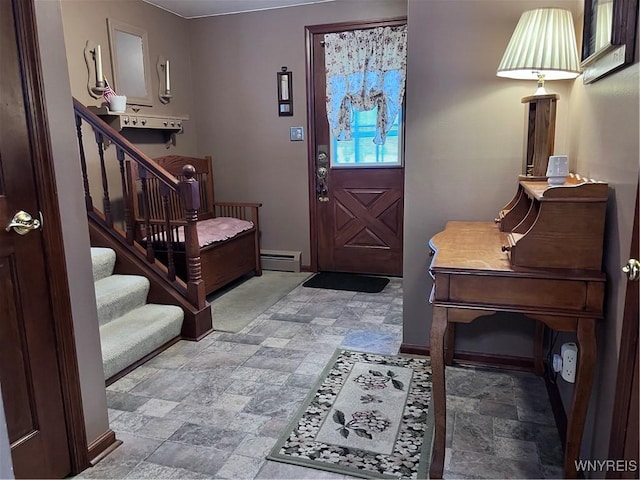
<point>281,260</point>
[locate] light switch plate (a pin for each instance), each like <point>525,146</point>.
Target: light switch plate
<point>296,134</point>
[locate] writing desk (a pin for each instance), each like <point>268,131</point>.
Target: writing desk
<point>474,276</point>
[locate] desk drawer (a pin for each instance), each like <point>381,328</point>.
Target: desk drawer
<point>510,291</point>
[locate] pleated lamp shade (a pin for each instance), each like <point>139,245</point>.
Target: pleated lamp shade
<point>542,47</point>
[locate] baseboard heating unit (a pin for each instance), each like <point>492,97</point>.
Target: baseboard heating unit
<point>284,261</point>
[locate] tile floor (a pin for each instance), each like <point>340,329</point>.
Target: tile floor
<point>213,409</point>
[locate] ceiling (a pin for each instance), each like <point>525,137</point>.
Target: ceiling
<point>208,8</point>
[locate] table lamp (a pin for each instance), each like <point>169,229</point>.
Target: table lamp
<point>542,47</point>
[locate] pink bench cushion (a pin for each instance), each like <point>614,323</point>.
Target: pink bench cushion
<point>213,230</point>
<point>218,229</point>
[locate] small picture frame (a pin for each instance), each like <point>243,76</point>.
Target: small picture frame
<point>285,92</point>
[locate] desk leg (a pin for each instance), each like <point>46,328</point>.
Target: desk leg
<point>449,343</point>
<point>584,380</point>
<point>438,330</point>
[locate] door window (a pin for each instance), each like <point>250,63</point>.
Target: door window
<point>360,151</point>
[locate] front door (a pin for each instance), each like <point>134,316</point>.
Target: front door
<point>356,211</point>
<point>29,358</point>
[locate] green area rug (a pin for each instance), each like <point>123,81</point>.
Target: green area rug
<point>368,416</point>
<point>241,302</point>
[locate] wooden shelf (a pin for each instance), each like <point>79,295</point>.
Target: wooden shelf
<point>140,120</point>
<point>575,187</point>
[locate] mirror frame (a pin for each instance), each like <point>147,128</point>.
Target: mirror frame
<point>115,26</point>
<point>619,53</point>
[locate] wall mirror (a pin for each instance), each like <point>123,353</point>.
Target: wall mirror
<point>608,36</point>
<point>130,62</point>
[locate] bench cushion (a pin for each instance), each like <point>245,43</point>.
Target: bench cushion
<point>219,228</point>
<point>210,231</point>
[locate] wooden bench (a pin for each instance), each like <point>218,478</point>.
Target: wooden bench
<point>223,259</point>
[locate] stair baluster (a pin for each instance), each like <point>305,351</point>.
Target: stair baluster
<point>142,174</point>
<point>106,202</point>
<point>171,266</point>
<point>88,201</point>
<point>128,220</point>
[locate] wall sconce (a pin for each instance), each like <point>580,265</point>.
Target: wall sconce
<point>285,93</point>
<point>93,58</point>
<point>164,80</point>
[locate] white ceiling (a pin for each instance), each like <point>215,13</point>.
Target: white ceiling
<point>207,8</point>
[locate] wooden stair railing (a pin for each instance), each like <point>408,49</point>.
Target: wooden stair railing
<point>104,228</point>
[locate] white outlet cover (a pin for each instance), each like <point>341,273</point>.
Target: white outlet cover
<point>296,134</point>
<point>569,353</point>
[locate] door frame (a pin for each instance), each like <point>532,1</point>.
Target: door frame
<point>627,356</point>
<point>53,244</point>
<point>310,31</point>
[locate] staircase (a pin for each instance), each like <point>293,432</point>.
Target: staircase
<point>130,328</point>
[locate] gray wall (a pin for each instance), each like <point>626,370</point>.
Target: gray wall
<point>168,36</point>
<point>604,142</point>
<point>465,132</point>
<point>73,216</point>
<point>464,146</point>
<point>235,59</point>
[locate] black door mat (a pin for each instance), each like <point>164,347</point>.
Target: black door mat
<point>347,281</point>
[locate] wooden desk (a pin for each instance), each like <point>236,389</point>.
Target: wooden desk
<point>475,277</point>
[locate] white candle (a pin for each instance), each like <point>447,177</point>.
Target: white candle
<point>284,87</point>
<point>99,77</point>
<point>167,80</point>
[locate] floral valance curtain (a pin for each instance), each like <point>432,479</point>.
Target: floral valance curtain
<point>365,69</point>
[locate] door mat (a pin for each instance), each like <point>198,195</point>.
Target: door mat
<point>368,416</point>
<point>347,281</point>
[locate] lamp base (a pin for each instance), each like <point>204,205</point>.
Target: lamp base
<point>540,91</point>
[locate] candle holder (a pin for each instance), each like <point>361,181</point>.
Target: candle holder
<point>164,80</point>
<point>95,79</point>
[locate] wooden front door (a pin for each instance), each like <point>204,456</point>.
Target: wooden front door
<point>356,213</point>
<point>30,344</point>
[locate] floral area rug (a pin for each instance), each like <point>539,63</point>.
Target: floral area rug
<point>368,416</point>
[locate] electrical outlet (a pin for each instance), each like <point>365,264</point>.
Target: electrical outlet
<point>569,354</point>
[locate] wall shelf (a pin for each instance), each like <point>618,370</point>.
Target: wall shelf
<point>140,120</point>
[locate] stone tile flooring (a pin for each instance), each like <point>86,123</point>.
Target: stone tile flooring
<point>213,409</point>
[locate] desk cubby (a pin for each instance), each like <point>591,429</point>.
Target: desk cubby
<point>555,226</point>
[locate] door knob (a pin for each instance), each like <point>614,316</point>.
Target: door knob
<point>22,223</point>
<point>632,269</point>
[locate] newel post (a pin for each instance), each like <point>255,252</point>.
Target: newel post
<point>190,196</point>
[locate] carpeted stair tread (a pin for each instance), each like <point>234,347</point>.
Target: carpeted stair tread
<point>103,261</point>
<point>139,332</point>
<point>118,294</point>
